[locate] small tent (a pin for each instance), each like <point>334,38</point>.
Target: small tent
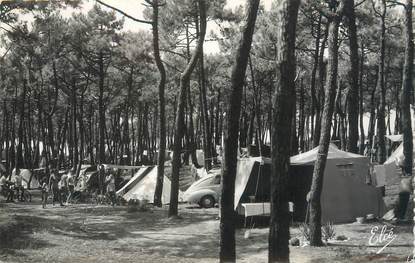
<point>252,180</point>
<point>26,178</point>
<point>143,185</point>
<point>390,172</point>
<point>346,193</point>
<point>397,155</point>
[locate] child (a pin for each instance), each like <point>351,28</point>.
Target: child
<point>110,180</point>
<point>45,190</point>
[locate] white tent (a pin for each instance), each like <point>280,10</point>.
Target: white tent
<point>134,180</point>
<point>26,174</point>
<point>250,173</point>
<point>397,156</point>
<point>391,171</point>
<point>143,184</point>
<point>346,193</point>
<point>395,137</point>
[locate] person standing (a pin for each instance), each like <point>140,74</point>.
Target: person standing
<point>45,191</point>
<point>71,185</point>
<point>18,179</point>
<point>110,181</point>
<point>54,187</point>
<point>5,188</point>
<point>63,186</point>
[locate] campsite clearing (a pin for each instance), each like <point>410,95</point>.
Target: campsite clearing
<point>89,233</point>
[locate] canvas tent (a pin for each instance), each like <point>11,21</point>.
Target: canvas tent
<point>26,174</point>
<point>390,172</point>
<point>397,156</point>
<point>252,179</point>
<point>143,185</point>
<point>346,192</point>
<point>395,137</point>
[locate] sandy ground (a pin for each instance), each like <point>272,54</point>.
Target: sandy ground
<point>89,233</point>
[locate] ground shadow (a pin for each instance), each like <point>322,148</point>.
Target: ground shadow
<point>17,234</point>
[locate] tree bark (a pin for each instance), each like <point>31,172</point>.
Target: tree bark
<point>407,88</point>
<point>101,111</point>
<point>319,166</point>
<point>353,94</point>
<point>361,110</point>
<point>227,220</point>
<point>179,125</point>
<point>283,109</point>
<point>321,71</point>
<point>206,118</point>
<point>381,126</point>
<point>162,108</point>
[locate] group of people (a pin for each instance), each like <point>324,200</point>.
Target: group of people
<point>12,185</point>
<point>61,189</point>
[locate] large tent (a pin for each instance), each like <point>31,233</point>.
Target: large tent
<point>143,185</point>
<point>347,192</point>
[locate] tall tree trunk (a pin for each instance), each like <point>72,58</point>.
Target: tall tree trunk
<point>302,117</point>
<point>321,71</point>
<point>179,125</point>
<point>361,110</point>
<point>353,94</point>
<point>162,108</point>
<point>315,107</point>
<point>407,88</point>
<point>75,145</point>
<point>101,111</point>
<point>381,126</point>
<point>22,102</point>
<point>320,164</point>
<point>283,107</point>
<point>227,220</point>
<point>206,118</point>
<point>191,130</point>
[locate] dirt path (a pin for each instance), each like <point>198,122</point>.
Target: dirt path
<point>101,234</point>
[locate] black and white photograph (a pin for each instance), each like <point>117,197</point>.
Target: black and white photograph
<point>201,131</point>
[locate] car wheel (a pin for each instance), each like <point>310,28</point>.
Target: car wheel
<point>207,201</point>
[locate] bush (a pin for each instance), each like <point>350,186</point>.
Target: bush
<point>133,205</point>
<point>305,231</point>
<point>327,231</point>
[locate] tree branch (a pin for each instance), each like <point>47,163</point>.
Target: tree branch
<point>395,3</point>
<point>124,14</point>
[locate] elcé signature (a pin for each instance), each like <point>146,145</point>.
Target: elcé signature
<point>381,236</point>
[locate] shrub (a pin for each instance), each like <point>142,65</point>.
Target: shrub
<point>305,231</point>
<point>327,231</point>
<point>133,205</point>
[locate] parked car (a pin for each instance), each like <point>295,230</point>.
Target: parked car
<point>204,192</point>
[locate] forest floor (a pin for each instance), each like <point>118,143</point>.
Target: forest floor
<point>90,233</point>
